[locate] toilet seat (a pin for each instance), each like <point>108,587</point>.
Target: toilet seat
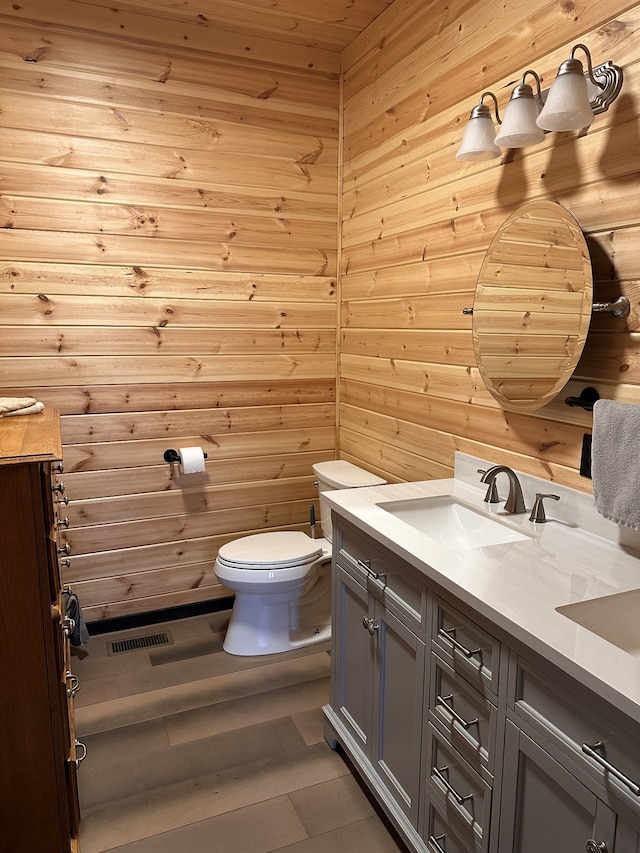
<point>272,551</point>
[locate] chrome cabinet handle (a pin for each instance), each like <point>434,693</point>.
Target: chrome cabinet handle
<point>64,500</point>
<point>58,467</point>
<point>435,840</point>
<point>59,487</point>
<point>595,846</point>
<point>68,624</point>
<point>63,522</point>
<point>590,750</point>
<point>439,774</point>
<point>73,683</point>
<point>370,624</point>
<point>450,635</point>
<point>81,758</point>
<point>65,549</point>
<point>443,701</point>
<point>66,563</point>
<point>365,565</point>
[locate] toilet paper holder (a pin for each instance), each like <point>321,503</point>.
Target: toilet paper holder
<point>171,455</point>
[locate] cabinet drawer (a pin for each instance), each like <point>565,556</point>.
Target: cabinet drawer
<point>384,578</point>
<point>452,781</point>
<point>441,838</point>
<point>466,646</point>
<point>602,748</point>
<point>468,719</point>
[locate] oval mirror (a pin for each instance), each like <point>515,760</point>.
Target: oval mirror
<point>532,306</point>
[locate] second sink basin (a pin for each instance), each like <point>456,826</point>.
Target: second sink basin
<point>452,522</point>
<point>612,617</point>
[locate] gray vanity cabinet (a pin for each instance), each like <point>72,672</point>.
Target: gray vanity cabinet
<point>561,793</point>
<point>378,660</point>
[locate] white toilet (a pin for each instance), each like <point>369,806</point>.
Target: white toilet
<point>282,580</point>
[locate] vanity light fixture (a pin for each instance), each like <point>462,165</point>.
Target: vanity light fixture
<point>575,97</point>
<point>570,105</point>
<point>479,134</point>
<point>519,127</point>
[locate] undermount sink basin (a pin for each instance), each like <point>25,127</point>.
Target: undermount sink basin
<point>612,617</point>
<point>453,523</point>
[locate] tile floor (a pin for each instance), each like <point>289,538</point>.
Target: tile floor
<point>191,749</point>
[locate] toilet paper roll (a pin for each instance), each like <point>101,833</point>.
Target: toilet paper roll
<point>192,460</point>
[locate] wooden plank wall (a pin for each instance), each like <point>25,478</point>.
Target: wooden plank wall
<point>168,244</point>
<point>416,224</point>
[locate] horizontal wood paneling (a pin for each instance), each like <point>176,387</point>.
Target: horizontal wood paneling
<point>168,259</point>
<point>416,224</point>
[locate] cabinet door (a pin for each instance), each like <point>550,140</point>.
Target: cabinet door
<point>398,693</point>
<point>545,807</point>
<point>352,652</point>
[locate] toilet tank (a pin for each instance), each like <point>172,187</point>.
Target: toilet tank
<point>339,474</point>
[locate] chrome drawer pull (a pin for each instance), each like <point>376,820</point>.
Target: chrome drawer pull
<point>595,846</point>
<point>435,840</point>
<point>590,750</point>
<point>63,522</point>
<point>80,759</point>
<point>450,635</point>
<point>365,565</point>
<point>68,624</point>
<point>370,625</point>
<point>58,488</point>
<point>58,467</point>
<point>64,500</point>
<point>65,549</point>
<point>73,684</point>
<point>439,774</point>
<point>443,701</point>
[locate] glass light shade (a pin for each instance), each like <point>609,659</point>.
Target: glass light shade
<point>519,127</point>
<point>478,141</point>
<point>567,106</point>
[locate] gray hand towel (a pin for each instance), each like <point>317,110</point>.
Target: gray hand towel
<point>615,466</point>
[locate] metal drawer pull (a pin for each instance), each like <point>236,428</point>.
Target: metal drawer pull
<point>370,625</point>
<point>73,684</point>
<point>439,774</point>
<point>435,840</point>
<point>443,701</point>
<point>593,846</point>
<point>68,624</point>
<point>64,500</point>
<point>59,487</point>
<point>450,635</point>
<point>58,467</point>
<point>365,565</point>
<point>590,750</point>
<point>65,549</point>
<point>63,522</point>
<point>80,759</point>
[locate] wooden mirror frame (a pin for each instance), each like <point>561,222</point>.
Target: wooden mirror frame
<point>532,306</point>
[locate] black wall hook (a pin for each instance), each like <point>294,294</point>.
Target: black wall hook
<point>587,398</point>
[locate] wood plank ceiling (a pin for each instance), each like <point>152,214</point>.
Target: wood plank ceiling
<point>324,24</point>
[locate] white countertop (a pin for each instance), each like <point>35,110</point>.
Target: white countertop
<point>518,585</point>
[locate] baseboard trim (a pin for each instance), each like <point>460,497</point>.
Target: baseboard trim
<point>153,617</point>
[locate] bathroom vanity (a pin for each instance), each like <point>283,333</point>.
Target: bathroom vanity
<point>480,716</point>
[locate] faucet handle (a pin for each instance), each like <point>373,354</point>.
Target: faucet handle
<point>538,513</point>
<point>492,496</point>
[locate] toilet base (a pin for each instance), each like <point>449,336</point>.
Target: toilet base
<point>270,624</point>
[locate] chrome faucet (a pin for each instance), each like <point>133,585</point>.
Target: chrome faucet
<point>515,500</point>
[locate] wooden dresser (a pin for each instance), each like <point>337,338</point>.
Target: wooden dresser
<point>39,810</point>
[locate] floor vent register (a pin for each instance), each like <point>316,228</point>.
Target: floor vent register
<point>147,641</point>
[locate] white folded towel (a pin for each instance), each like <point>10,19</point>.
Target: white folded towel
<point>615,461</point>
<point>11,406</point>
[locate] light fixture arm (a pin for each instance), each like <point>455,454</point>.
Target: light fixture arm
<point>538,95</point>
<point>572,58</point>
<point>483,110</point>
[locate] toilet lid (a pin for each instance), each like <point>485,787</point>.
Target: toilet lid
<point>270,550</point>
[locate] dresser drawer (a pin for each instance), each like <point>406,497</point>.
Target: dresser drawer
<point>466,717</point>
<point>440,836</point>
<point>464,796</point>
<point>605,750</point>
<point>468,648</point>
